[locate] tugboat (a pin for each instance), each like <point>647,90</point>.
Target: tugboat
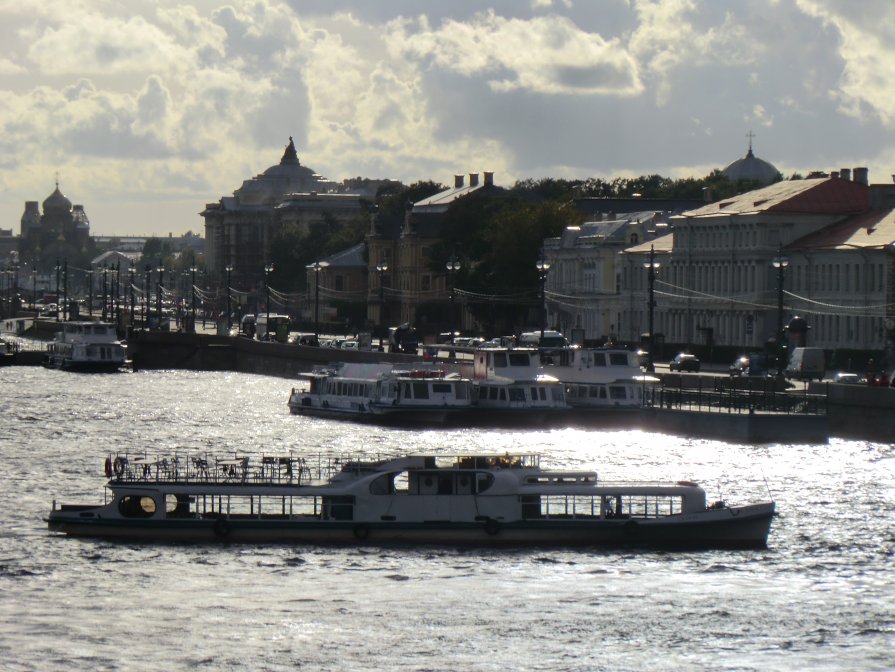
<point>469,499</point>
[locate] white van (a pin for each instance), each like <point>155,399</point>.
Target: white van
<point>551,339</point>
<point>806,364</point>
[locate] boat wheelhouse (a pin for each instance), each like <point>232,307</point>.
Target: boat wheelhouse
<point>472,499</point>
<point>378,392</point>
<point>87,346</point>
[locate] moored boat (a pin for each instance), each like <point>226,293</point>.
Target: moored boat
<point>87,346</point>
<point>378,392</point>
<point>478,500</point>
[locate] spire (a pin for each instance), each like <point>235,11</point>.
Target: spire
<point>289,156</point>
<point>749,135</point>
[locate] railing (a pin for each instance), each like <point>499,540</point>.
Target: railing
<point>731,399</point>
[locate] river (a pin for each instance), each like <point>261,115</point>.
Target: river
<point>820,597</point>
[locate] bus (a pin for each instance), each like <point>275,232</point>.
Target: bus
<point>272,327</point>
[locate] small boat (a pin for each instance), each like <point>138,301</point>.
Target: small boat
<point>378,392</point>
<point>475,500</point>
<point>510,384</point>
<point>87,346</point>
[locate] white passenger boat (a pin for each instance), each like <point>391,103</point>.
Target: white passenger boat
<point>511,384</point>
<point>605,378</point>
<point>87,346</point>
<point>378,392</point>
<point>480,500</point>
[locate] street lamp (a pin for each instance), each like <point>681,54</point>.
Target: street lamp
<point>543,267</point>
<point>34,289</point>
<point>268,269</point>
<point>193,290</point>
<point>158,294</point>
<point>453,266</point>
<point>58,268</point>
<point>780,263</point>
<point>105,288</point>
<point>381,267</point>
<point>652,267</point>
<point>229,269</point>
<point>317,266</point>
<point>131,270</point>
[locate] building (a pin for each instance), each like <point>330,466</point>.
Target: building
<point>822,246</point>
<point>406,283</point>
<point>56,230</point>
<point>239,228</point>
<point>752,169</point>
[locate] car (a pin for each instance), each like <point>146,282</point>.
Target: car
<point>349,344</point>
<point>740,366</point>
<point>684,362</point>
<point>847,378</point>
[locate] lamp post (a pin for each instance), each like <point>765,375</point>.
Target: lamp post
<point>89,274</point>
<point>381,268</point>
<point>780,263</point>
<point>652,267</point>
<point>193,291</point>
<point>317,266</point>
<point>105,285</point>
<point>130,271</point>
<point>158,294</point>
<point>65,289</point>
<point>543,267</point>
<point>58,307</point>
<point>229,269</point>
<point>34,288</point>
<point>453,266</point>
<point>268,269</point>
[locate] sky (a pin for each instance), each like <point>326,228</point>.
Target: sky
<point>144,111</point>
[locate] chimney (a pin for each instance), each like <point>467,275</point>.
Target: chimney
<point>489,177</point>
<point>458,181</point>
<point>845,173</point>
<point>861,176</point>
<point>473,179</point>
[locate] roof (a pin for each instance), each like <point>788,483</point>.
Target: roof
<point>751,168</point>
<point>874,229</point>
<point>821,196</point>
<point>661,245</point>
<point>349,257</point>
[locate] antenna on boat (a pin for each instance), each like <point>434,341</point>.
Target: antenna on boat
<point>766,485</point>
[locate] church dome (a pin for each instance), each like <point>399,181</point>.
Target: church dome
<point>286,177</point>
<point>57,202</point>
<point>751,168</point>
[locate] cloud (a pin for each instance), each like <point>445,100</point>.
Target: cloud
<point>547,55</point>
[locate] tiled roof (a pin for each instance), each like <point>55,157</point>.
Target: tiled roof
<point>831,196</point>
<point>872,229</point>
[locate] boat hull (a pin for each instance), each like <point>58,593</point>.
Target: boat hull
<point>742,528</point>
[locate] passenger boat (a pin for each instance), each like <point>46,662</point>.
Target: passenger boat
<point>378,392</point>
<point>87,346</point>
<point>511,384</point>
<point>607,378</point>
<point>478,500</point>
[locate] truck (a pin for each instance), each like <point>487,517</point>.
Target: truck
<point>806,364</point>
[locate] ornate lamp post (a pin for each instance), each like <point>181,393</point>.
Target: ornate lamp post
<point>652,267</point>
<point>381,268</point>
<point>105,289</point>
<point>543,267</point>
<point>158,293</point>
<point>130,272</point>
<point>58,268</point>
<point>229,269</point>
<point>193,290</point>
<point>268,269</point>
<point>780,263</point>
<point>317,266</point>
<point>65,289</point>
<point>453,266</point>
<point>34,287</point>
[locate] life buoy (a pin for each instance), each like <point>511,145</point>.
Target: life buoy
<point>492,527</point>
<point>118,466</point>
<point>108,467</point>
<point>221,528</point>
<point>361,532</point>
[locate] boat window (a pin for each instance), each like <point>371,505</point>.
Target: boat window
<point>556,393</point>
<point>483,482</point>
<point>383,485</point>
<point>618,358</point>
<point>500,360</point>
<point>602,392</point>
<point>136,506</point>
<point>517,394</point>
<point>617,392</point>
<point>421,390</point>
<point>599,359</point>
<point>493,393</point>
<point>460,390</point>
<point>503,393</point>
<point>442,388</point>
<point>519,359</point>
<point>401,483</point>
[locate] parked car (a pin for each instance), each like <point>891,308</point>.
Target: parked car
<point>349,344</point>
<point>684,362</point>
<point>847,378</point>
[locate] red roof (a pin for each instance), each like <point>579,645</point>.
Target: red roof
<point>871,229</point>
